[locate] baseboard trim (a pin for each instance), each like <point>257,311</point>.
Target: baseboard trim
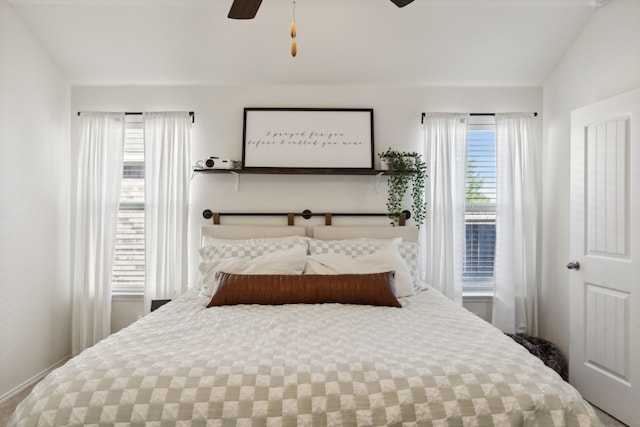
<point>34,379</point>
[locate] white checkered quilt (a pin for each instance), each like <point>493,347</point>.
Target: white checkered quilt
<point>429,363</point>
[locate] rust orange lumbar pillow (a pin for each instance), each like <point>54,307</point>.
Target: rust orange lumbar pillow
<point>274,289</point>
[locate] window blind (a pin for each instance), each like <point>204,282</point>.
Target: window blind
<point>128,268</point>
<point>480,213</point>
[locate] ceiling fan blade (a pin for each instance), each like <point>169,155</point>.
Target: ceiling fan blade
<point>244,9</point>
<point>401,3</point>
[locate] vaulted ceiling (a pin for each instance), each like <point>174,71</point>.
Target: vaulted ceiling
<point>429,42</point>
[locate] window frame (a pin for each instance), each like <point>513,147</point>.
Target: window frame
<point>134,135</point>
<point>477,123</point>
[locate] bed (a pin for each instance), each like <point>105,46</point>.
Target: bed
<point>427,362</point>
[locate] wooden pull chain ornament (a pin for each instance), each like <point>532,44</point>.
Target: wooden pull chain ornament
<point>294,45</point>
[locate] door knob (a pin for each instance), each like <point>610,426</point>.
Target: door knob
<point>573,265</point>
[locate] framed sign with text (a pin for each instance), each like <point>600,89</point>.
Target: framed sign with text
<point>308,138</point>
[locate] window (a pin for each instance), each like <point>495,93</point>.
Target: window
<point>480,212</point>
<point>128,268</point>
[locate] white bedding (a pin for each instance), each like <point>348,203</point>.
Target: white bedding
<point>428,363</point>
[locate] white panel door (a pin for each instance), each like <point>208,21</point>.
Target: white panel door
<point>604,362</point>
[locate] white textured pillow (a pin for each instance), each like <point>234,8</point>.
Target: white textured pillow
<point>213,241</point>
<point>290,261</point>
<point>409,253</point>
<point>250,249</point>
<point>384,259</point>
<point>351,247</point>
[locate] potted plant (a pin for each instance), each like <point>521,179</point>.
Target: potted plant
<point>405,169</point>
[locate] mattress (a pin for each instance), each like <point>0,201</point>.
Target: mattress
<point>428,363</point>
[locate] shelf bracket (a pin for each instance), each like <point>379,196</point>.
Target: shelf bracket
<point>379,181</point>
<point>236,175</point>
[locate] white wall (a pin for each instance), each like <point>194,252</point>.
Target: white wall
<point>603,61</point>
<point>34,214</point>
<point>125,309</point>
<point>218,131</point>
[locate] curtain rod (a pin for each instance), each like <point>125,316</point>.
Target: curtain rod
<point>535,114</point>
<point>130,113</point>
<point>306,214</point>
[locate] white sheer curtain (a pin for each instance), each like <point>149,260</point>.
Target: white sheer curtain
<point>515,292</point>
<point>96,218</point>
<point>167,141</point>
<point>445,148</point>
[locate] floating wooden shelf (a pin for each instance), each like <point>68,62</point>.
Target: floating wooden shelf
<point>296,171</point>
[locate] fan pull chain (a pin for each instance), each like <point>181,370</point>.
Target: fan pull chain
<point>294,46</point>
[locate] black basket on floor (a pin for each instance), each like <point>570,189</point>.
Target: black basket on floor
<point>545,351</point>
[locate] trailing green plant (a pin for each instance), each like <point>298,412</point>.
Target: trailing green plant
<point>405,169</point>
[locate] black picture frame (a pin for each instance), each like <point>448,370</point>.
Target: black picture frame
<point>308,138</point>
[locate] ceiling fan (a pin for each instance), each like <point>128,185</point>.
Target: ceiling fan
<point>247,9</point>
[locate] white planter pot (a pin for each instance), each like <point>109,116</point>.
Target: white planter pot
<point>384,164</point>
